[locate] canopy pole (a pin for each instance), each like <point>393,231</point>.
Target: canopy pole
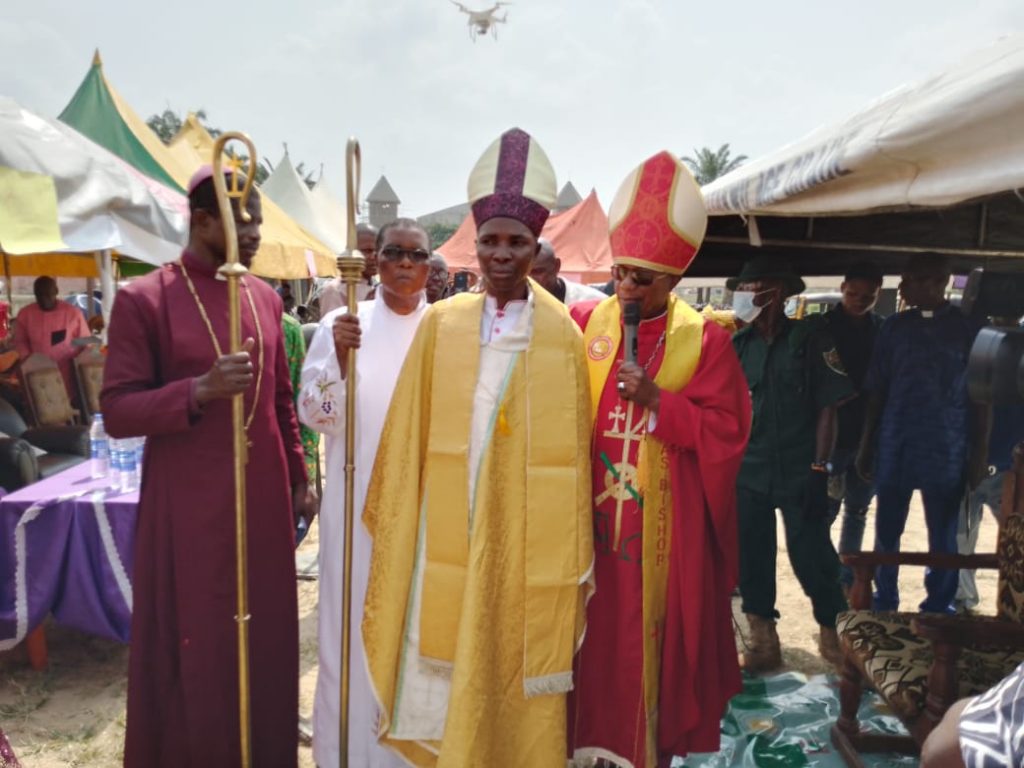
<point>105,261</point>
<point>90,287</point>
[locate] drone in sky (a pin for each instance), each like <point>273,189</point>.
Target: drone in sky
<point>482,22</point>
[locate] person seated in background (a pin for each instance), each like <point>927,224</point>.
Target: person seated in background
<point>981,732</point>
<point>48,327</point>
<point>545,271</point>
<point>437,278</point>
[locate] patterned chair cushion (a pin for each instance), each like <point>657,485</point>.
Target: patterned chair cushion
<point>49,397</point>
<point>91,379</point>
<point>896,661</point>
<point>1010,600</point>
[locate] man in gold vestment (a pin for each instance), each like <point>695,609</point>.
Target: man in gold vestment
<point>479,503</point>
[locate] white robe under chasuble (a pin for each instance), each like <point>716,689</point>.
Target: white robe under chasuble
<point>423,694</point>
<point>386,337</point>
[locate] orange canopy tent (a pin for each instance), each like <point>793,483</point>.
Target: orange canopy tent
<point>579,236</point>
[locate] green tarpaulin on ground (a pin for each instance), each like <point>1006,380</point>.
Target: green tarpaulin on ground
<point>784,722</point>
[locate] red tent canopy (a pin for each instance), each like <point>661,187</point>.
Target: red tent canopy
<point>579,235</point>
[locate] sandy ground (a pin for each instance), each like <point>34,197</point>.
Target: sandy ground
<point>73,714</point>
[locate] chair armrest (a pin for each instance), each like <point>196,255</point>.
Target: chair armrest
<point>18,465</point>
<point>969,631</point>
<point>932,560</point>
<point>62,439</point>
<point>863,565</point>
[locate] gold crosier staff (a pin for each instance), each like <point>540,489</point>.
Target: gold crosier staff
<point>234,270</point>
<point>351,266</point>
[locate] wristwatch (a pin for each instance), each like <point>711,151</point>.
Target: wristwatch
<point>822,466</point>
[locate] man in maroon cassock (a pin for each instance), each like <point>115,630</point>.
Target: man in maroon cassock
<point>658,663</point>
<point>170,378</point>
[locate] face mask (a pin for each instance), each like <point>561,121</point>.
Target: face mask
<point>743,306</point>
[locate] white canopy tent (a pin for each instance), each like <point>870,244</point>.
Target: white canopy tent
<point>330,208</point>
<point>934,166</point>
<point>63,194</point>
<point>286,188</point>
<point>953,137</point>
<point>101,202</point>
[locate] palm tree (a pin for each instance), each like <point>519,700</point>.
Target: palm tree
<point>709,165</point>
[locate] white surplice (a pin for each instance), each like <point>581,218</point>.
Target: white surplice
<point>386,337</point>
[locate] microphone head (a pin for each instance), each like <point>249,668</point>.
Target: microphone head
<point>631,313</point>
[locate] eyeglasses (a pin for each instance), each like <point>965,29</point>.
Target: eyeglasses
<point>396,254</point>
<point>641,277</point>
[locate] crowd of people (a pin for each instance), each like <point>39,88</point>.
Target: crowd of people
<point>556,491</point>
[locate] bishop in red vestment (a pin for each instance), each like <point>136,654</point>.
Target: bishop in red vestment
<point>168,376</point>
<point>658,663</point>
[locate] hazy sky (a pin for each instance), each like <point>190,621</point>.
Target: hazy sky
<point>600,84</point>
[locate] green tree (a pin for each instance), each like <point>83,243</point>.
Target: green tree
<point>707,164</point>
<point>439,233</point>
<point>167,124</point>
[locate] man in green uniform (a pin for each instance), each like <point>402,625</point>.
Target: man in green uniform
<point>796,381</point>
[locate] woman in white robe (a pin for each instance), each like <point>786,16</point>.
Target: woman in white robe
<point>385,329</point>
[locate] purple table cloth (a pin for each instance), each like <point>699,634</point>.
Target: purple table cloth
<point>67,549</point>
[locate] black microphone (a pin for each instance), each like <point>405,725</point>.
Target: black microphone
<point>630,321</point>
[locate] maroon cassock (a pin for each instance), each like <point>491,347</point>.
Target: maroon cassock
<point>704,428</point>
<point>183,662</point>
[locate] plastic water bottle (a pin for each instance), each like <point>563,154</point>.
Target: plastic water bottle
<point>140,449</point>
<point>129,469</point>
<point>115,464</point>
<point>99,448</point>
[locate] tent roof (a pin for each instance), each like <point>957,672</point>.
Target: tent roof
<point>953,137</point>
<point>328,206</point>
<point>930,167</point>
<point>579,236</point>
<point>96,110</point>
<point>101,111</point>
<point>61,191</point>
<point>382,192</point>
<point>287,189</point>
<point>284,243</point>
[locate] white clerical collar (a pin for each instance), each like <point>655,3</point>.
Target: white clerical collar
<point>508,324</point>
<point>379,302</point>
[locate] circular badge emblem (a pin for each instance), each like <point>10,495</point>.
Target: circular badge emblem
<point>600,348</point>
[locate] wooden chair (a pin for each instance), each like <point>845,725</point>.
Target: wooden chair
<point>919,663</point>
<point>89,377</point>
<point>46,392</point>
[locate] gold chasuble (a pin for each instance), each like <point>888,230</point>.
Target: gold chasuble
<point>480,574</point>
